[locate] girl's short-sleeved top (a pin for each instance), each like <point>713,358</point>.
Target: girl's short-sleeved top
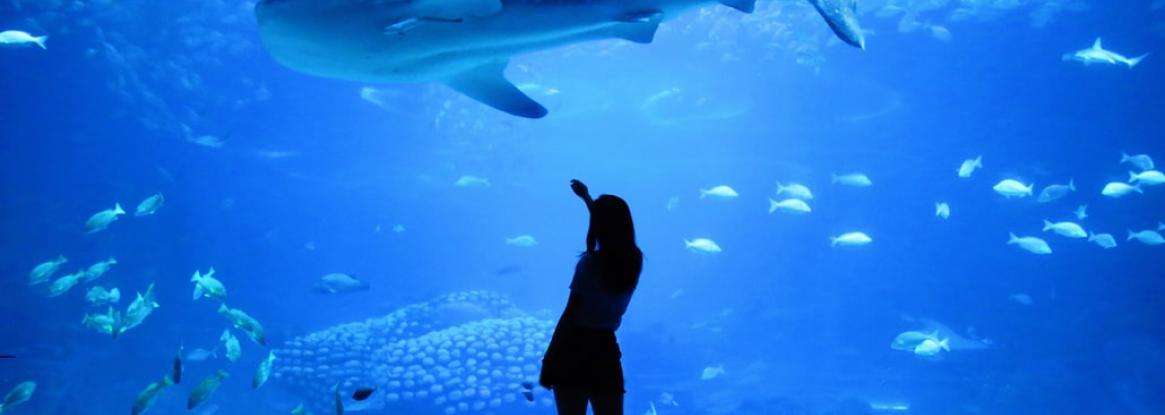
<point>597,307</point>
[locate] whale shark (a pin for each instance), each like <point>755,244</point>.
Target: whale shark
<point>467,44</point>
<point>1097,54</point>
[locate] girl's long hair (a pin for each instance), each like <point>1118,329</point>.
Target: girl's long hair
<point>611,243</point>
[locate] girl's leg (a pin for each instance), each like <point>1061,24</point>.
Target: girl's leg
<point>607,403</point>
<point>570,402</point>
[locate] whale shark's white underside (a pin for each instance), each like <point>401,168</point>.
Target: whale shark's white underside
<point>466,44</point>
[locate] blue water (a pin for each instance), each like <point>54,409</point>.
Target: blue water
<point>311,179</point>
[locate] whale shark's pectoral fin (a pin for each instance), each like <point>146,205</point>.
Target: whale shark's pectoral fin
<point>487,84</point>
<point>746,6</point>
<point>638,26</point>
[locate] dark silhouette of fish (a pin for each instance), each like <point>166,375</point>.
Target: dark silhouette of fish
<point>362,393</point>
<point>7,356</point>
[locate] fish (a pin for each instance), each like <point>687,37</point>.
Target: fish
<point>467,44</point>
<point>789,205</point>
<point>64,284</point>
<point>95,271</point>
<point>1067,229</point>
<point>231,344</point>
<point>1011,188</point>
<point>672,203</point>
<point>527,385</point>
<point>723,192</point>
<point>702,245</point>
<point>98,296</point>
<point>208,141</point>
<point>207,286</point>
<point>1147,178</point>
<point>1056,192</point>
<point>205,388</point>
<point>529,395</point>
<point>140,308</point>
<point>45,270</point>
<point>1141,161</point>
<point>712,372</point>
<point>852,179</point>
<point>1146,237</point>
<point>1103,240</point>
<point>932,347</point>
<point>101,220</point>
<point>471,181</point>
<point>398,228</point>
<point>150,394</point>
<point>200,355</point>
<point>942,210</point>
<point>18,38</point>
<point>176,367</point>
<point>969,166</point>
<point>340,283</point>
<point>651,409</point>
<point>108,323</point>
<point>150,205</point>
<point>1021,298</point>
<point>522,241</point>
<point>851,239</point>
<point>1081,212</point>
<point>6,356</point>
<point>909,340</point>
<point>1097,54</point>
<point>300,410</point>
<point>363,393</point>
<point>1118,190</point>
<point>794,190</point>
<point>264,371</point>
<point>245,323</point>
<point>19,394</point>
<point>1030,243</point>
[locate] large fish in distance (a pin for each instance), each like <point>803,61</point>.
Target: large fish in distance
<point>466,44</point>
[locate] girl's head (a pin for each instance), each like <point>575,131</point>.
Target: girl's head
<point>612,241</point>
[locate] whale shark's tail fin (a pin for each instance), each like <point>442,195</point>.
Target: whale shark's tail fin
<point>746,6</point>
<point>488,84</point>
<point>841,15</point>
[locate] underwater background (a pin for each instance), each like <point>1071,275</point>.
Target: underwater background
<point>275,179</point>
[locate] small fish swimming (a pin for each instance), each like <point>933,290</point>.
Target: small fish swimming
<point>1104,240</point>
<point>852,180</point>
<point>1021,298</point>
<point>139,309</point>
<point>702,245</point>
<point>150,205</point>
<point>95,271</point>
<point>522,241</point>
<point>1031,244</point>
<point>264,371</point>
<point>1011,188</point>
<point>909,340</point>
<point>108,323</point>
<point>1067,229</point>
<point>1141,161</point>
<point>1117,190</point>
<point>19,394</point>
<point>43,272</point>
<point>363,393</point>
<point>300,410</point>
<point>17,38</point>
<point>471,181</point>
<point>208,141</point>
<point>1081,212</point>
<point>723,192</point>
<point>335,283</point>
<point>794,190</point>
<point>231,344</point>
<point>244,323</point>
<point>789,205</point>
<point>1147,178</point>
<point>176,366</point>
<point>98,296</point>
<point>205,388</point>
<point>1056,192</point>
<point>207,286</point>
<point>942,210</point>
<point>398,228</point>
<point>150,394</point>
<point>101,220</point>
<point>64,284</point>
<point>851,239</point>
<point>969,166</point>
<point>200,355</point>
<point>1097,54</point>
<point>712,372</point>
<point>672,203</point>
<point>529,395</point>
<point>1147,237</point>
<point>932,347</point>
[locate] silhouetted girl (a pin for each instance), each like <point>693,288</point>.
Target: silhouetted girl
<point>582,364</point>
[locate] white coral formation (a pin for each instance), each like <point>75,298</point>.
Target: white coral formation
<point>461,353</point>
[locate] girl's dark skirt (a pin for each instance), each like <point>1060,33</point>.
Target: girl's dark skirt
<point>583,359</point>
